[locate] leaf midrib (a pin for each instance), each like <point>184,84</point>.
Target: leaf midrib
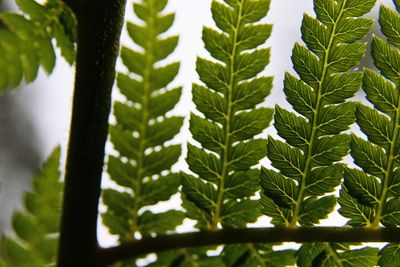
<point>228,120</point>
<point>313,135</point>
<point>145,116</point>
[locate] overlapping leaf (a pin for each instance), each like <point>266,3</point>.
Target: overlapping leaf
<point>370,197</point>
<point>142,131</point>
<point>218,194</point>
<point>37,226</point>
<point>26,40</point>
<point>308,163</point>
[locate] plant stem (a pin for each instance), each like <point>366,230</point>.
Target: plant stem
<point>248,235</point>
<point>228,121</point>
<point>99,28</point>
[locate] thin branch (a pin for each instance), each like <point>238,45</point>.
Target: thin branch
<point>248,235</point>
<point>99,28</point>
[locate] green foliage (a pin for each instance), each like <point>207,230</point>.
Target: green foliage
<point>308,163</point>
<point>335,254</point>
<point>219,194</point>
<point>36,227</point>
<point>142,131</point>
<point>26,40</point>
<point>370,196</point>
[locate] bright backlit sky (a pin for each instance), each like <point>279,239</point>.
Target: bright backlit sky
<point>50,101</point>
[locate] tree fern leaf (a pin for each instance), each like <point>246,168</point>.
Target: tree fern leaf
<point>291,127</point>
<point>238,214</point>
<point>281,190</point>
<point>209,103</point>
<point>323,180</point>
<point>336,118</point>
<point>360,215</point>
<point>142,131</point>
<point>36,227</point>
<point>251,93</point>
<point>31,35</point>
<point>244,155</point>
<point>202,163</point>
<point>242,184</point>
<point>364,188</point>
<point>229,101</point>
<point>131,88</point>
<point>248,124</point>
<point>369,157</point>
<point>280,216</point>
<point>315,144</point>
<point>151,223</point>
<point>380,92</point>
<point>389,256</point>
<point>390,25</point>
<point>202,194</point>
<point>327,255</point>
<point>341,87</point>
<point>386,58</point>
<point>314,209</point>
<point>285,158</point>
<point>376,126</point>
<point>299,95</point>
<point>208,134</point>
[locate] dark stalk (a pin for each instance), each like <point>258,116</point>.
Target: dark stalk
<point>99,28</point>
<point>247,235</point>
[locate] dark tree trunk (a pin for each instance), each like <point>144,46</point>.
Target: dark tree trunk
<point>99,27</point>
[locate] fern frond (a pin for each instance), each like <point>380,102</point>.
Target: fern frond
<point>335,254</point>
<point>142,130</point>
<point>218,194</point>
<point>371,195</point>
<point>26,40</point>
<point>37,226</point>
<point>308,163</point>
<point>231,118</point>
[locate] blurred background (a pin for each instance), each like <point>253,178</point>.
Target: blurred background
<point>35,118</point>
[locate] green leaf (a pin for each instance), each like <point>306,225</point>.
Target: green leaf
<point>211,104</point>
<point>208,134</point>
<point>359,215</point>
<point>389,256</point>
<point>285,158</point>
<point>369,157</point>
<point>37,225</point>
<point>238,214</point>
<point>376,126</point>
<point>159,223</point>
<point>314,209</point>
<point>283,191</point>
<point>242,184</point>
<point>386,58</point>
<point>248,124</point>
<point>204,164</point>
<point>143,129</point>
<point>391,213</point>
<point>366,189</point>
<point>380,92</point>
<point>324,180</point>
<point>202,194</point>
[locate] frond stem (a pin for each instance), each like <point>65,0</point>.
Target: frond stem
<point>227,125</point>
<point>247,235</point>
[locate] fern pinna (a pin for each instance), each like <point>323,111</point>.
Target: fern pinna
<point>142,167</point>
<point>308,163</point>
<point>219,196</point>
<point>37,226</point>
<point>26,40</point>
<point>370,196</point>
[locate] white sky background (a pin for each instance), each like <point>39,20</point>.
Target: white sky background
<point>50,101</point>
